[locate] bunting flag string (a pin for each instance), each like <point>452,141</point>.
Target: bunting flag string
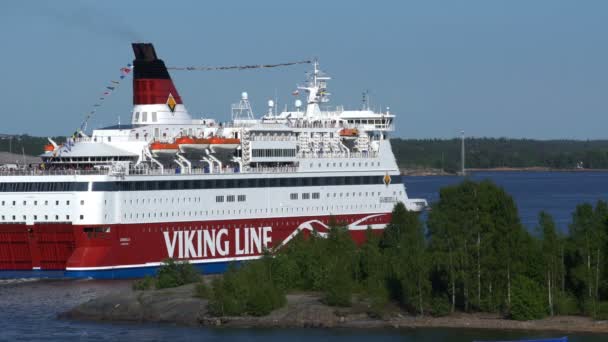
<point>109,89</point>
<point>239,67</point>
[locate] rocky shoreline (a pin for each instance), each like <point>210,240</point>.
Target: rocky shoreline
<point>178,306</point>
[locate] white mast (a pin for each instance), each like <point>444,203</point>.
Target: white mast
<point>316,89</point>
<point>463,170</point>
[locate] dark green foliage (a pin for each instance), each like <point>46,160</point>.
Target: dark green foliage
<point>146,283</point>
<point>174,274</point>
<point>29,145</point>
<point>500,152</point>
<point>440,306</point>
<point>339,288</point>
<point>528,301</point>
<point>478,245</point>
<point>406,259</point>
<point>202,290</point>
<point>474,255</point>
<point>566,304</point>
<point>340,262</point>
<point>601,311</point>
<point>247,290</point>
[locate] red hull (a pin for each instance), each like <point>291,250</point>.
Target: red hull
<point>88,250</point>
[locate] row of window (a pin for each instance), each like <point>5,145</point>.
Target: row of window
<point>281,210</point>
<point>273,152</point>
<point>194,184</point>
<point>144,117</point>
<point>35,217</point>
<point>44,187</point>
<point>305,195</point>
<point>46,202</point>
<point>239,183</point>
<point>347,164</point>
<point>230,198</point>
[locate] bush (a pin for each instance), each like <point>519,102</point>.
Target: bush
<point>440,306</point>
<point>602,311</point>
<point>143,284</point>
<point>201,290</point>
<point>527,300</point>
<point>566,304</point>
<point>378,296</point>
<point>174,274</point>
<point>339,287</point>
<point>596,310</point>
<point>246,290</point>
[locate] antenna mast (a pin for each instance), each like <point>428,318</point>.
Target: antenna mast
<point>463,170</point>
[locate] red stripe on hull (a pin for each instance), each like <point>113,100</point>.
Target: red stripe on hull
<point>61,245</point>
<point>46,246</point>
<point>137,245</point>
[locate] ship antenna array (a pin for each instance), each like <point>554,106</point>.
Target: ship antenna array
<point>238,67</point>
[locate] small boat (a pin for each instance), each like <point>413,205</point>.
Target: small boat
<point>49,148</point>
<point>224,143</point>
<point>349,132</point>
<point>188,144</point>
<point>163,149</point>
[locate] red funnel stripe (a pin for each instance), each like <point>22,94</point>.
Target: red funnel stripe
<point>151,81</point>
<point>154,91</point>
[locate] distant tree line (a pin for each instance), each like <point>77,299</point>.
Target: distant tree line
<point>442,153</point>
<point>501,152</point>
<point>471,255</point>
<point>29,145</point>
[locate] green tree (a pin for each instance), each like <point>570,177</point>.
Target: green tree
<point>551,260</point>
<point>405,247</point>
<point>588,239</point>
<point>527,303</point>
<point>340,259</point>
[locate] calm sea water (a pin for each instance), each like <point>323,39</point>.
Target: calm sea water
<point>28,308</point>
<point>555,192</point>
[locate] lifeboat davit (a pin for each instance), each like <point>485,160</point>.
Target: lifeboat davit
<point>349,132</point>
<point>189,144</point>
<point>49,148</point>
<point>163,149</point>
<point>224,143</point>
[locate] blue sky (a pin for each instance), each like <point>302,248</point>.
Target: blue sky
<point>533,69</point>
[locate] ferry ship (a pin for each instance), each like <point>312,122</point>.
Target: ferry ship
<point>117,202</point>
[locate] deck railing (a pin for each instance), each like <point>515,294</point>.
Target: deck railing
<point>143,172</point>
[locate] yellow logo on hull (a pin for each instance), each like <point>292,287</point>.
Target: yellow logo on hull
<point>387,179</point>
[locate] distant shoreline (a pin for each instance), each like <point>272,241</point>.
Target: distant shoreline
<point>438,172</point>
<point>303,310</point>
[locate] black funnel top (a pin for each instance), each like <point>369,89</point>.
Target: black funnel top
<point>146,63</point>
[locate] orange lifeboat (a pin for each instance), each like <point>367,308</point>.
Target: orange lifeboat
<point>349,132</point>
<point>161,148</point>
<point>49,148</point>
<point>224,143</point>
<point>189,144</point>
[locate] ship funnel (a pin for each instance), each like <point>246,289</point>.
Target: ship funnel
<point>155,98</point>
